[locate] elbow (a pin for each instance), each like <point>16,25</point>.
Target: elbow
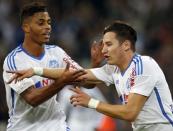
<point>131,113</point>
<point>33,104</point>
<point>130,118</point>
<point>31,101</point>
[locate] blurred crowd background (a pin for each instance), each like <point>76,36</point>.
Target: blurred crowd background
<point>77,23</point>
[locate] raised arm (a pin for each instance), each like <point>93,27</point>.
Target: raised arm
<point>35,96</point>
<point>52,73</point>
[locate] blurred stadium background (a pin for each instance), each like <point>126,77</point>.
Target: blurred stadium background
<point>76,23</point>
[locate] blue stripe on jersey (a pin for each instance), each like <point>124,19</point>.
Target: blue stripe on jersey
<point>136,61</point>
<point>122,73</point>
<point>161,106</point>
<point>11,65</point>
<point>141,64</point>
<point>138,64</point>
<point>67,129</point>
<point>10,59</point>
<point>8,63</point>
<point>12,95</point>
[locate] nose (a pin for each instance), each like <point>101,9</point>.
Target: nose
<point>48,26</point>
<point>104,49</point>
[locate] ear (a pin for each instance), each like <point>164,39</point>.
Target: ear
<point>127,45</point>
<point>25,27</point>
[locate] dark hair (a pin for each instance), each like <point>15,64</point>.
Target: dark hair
<point>32,8</point>
<point>123,32</point>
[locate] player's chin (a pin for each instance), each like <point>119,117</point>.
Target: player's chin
<point>110,62</point>
<point>45,40</point>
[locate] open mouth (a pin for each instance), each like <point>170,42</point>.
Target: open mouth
<point>106,56</point>
<point>46,35</point>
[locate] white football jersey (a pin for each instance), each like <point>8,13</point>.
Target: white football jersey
<point>49,115</point>
<point>79,119</point>
<point>143,76</point>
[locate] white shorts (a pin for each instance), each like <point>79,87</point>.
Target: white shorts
<point>154,127</point>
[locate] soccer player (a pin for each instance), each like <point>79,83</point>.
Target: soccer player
<point>32,101</point>
<point>139,81</point>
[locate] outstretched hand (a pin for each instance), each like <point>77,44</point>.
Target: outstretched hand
<point>20,75</point>
<point>70,77</point>
<point>80,98</point>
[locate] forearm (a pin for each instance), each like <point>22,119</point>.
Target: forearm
<point>36,96</point>
<point>117,111</point>
<point>52,72</point>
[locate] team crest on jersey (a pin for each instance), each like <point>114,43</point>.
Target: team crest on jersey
<point>53,63</point>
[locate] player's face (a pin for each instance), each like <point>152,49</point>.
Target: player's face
<point>40,27</point>
<point>112,48</point>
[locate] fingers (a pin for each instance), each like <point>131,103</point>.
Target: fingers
<point>18,72</point>
<point>79,73</point>
<point>22,77</point>
<point>75,100</point>
<point>10,71</point>
<point>14,77</point>
<point>67,66</point>
<point>76,90</point>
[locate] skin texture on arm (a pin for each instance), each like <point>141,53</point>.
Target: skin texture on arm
<point>90,78</point>
<point>126,112</point>
<point>53,73</point>
<point>35,96</point>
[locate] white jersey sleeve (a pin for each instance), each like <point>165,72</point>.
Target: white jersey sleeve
<point>104,73</point>
<point>145,82</point>
<point>18,87</point>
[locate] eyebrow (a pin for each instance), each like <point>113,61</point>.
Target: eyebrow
<point>42,19</point>
<point>107,42</point>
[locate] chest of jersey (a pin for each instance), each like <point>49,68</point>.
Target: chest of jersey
<point>124,82</point>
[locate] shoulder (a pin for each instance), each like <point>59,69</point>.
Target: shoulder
<point>9,62</point>
<point>148,61</point>
<point>110,69</point>
<point>141,60</point>
<point>149,65</point>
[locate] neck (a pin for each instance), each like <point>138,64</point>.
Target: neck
<point>33,48</point>
<point>125,61</point>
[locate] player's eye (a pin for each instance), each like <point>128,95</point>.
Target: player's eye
<point>109,44</point>
<point>40,23</point>
<point>49,22</point>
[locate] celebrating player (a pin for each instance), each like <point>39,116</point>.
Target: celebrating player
<point>32,101</point>
<point>139,81</point>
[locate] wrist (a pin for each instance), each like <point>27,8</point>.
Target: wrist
<point>38,71</point>
<point>93,103</point>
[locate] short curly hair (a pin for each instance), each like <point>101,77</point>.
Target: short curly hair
<point>32,8</point>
